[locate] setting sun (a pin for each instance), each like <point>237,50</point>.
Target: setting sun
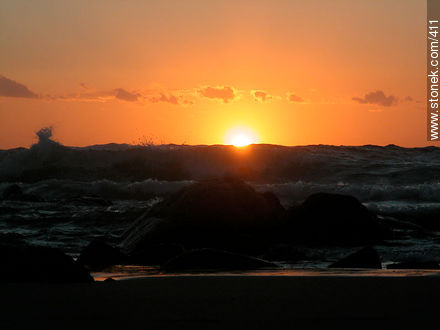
<point>241,137</point>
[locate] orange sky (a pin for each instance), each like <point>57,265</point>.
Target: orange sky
<point>294,72</point>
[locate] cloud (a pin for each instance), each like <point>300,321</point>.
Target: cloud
<point>294,98</point>
<point>170,98</point>
<point>378,97</point>
<point>90,96</point>
<point>97,96</point>
<point>124,95</point>
<point>261,96</point>
<point>12,88</point>
<point>224,93</point>
<point>86,93</point>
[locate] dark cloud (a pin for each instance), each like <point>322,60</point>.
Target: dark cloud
<point>378,97</point>
<point>294,98</point>
<point>260,96</point>
<point>122,94</point>
<point>12,88</point>
<point>224,93</point>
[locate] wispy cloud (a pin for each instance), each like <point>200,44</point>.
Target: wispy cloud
<point>294,98</point>
<point>139,97</point>
<point>89,96</point>
<point>82,85</point>
<point>158,94</point>
<point>168,98</point>
<point>378,98</point>
<point>11,88</point>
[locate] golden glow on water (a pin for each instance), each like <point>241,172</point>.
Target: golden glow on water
<point>129,272</point>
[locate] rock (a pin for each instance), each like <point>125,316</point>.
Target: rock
<point>414,265</point>
<point>284,252</point>
<point>145,231</point>
<point>333,219</point>
<point>220,203</point>
<point>15,193</point>
<point>215,260</point>
<point>99,255</point>
<point>364,258</point>
<point>219,213</point>
<point>156,254</point>
<point>39,264</point>
<point>109,279</point>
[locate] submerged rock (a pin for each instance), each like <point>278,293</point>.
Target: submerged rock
<point>39,264</point>
<point>98,255</point>
<point>414,265</point>
<point>364,258</point>
<point>213,213</point>
<point>12,191</point>
<point>210,259</point>
<point>333,219</point>
<point>15,193</point>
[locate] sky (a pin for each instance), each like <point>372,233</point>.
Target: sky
<point>342,72</point>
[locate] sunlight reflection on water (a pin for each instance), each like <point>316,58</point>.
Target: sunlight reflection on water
<point>122,272</point>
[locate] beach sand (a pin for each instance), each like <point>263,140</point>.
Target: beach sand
<point>225,302</point>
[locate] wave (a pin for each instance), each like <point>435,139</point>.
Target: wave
<point>289,192</point>
<point>298,191</point>
<point>396,182</point>
<point>323,164</point>
<point>55,189</point>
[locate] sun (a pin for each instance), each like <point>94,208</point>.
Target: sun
<point>241,137</point>
<point>241,140</point>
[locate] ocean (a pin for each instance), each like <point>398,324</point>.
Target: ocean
<point>73,195</point>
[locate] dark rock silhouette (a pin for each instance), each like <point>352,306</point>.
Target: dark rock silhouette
<point>98,255</point>
<point>333,219</point>
<point>364,258</point>
<point>210,259</point>
<point>218,213</point>
<point>414,265</point>
<point>39,264</point>
<point>222,203</point>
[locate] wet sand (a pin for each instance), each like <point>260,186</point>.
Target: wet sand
<point>225,302</point>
